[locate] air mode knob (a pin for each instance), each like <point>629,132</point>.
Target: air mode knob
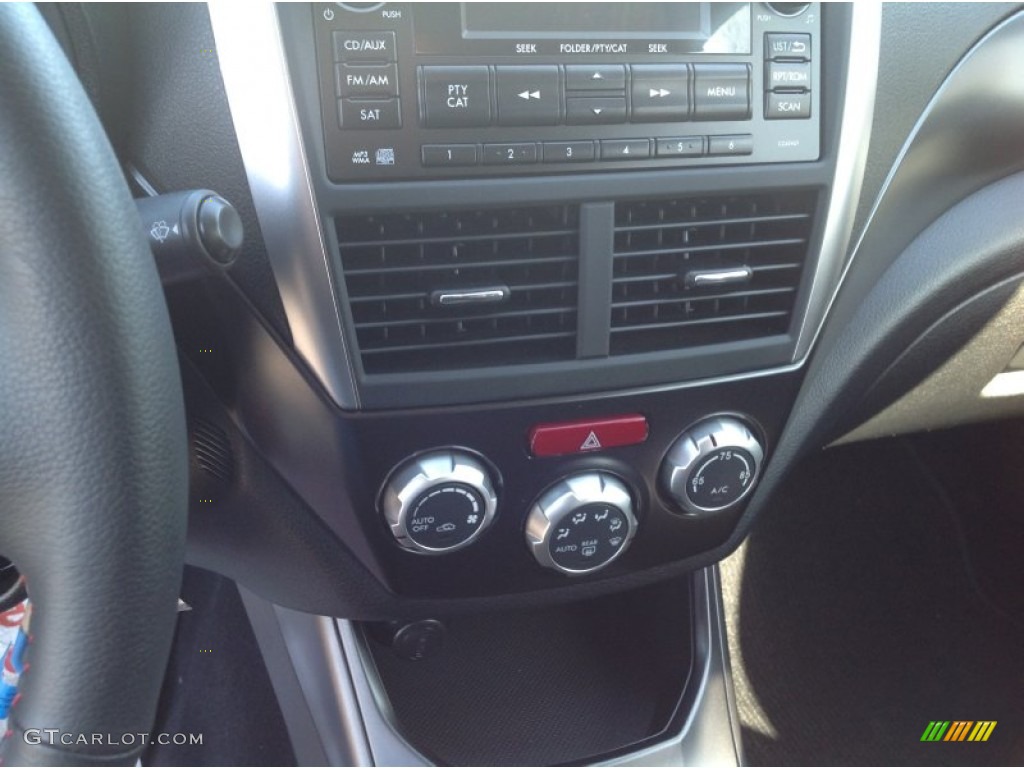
<point>712,466</point>
<point>439,501</point>
<point>582,523</point>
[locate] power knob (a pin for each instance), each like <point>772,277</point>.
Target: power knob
<point>712,466</point>
<point>582,523</point>
<point>439,501</point>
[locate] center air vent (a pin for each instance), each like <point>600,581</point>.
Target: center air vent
<point>443,291</point>
<point>706,270</point>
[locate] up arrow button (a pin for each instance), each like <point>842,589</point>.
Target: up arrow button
<point>595,77</point>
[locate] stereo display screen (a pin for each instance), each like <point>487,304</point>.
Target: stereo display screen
<point>705,27</point>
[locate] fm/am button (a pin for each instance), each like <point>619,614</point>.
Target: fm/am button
<point>366,81</point>
<point>455,97</point>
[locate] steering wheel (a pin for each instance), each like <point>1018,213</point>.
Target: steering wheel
<point>93,452</point>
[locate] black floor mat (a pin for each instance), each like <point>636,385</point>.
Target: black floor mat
<point>217,685</point>
<point>854,622</point>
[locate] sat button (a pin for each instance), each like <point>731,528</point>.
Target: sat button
<point>369,114</point>
<point>587,435</point>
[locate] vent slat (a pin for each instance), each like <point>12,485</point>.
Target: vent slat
<point>559,259</point>
<point>487,237</point>
<point>393,263</point>
<point>699,297</point>
<point>708,248</point>
<point>417,296</point>
<point>468,318</point>
<point>471,343</point>
<point>707,321</point>
<point>755,268</point>
<point>716,222</point>
<point>658,242</point>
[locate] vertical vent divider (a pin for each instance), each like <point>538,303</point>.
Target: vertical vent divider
<point>597,244</point>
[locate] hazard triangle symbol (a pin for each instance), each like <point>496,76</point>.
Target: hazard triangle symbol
<point>591,442</point>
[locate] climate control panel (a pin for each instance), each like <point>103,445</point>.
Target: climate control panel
<point>442,500</point>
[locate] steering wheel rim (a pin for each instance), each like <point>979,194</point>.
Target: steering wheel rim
<point>93,451</point>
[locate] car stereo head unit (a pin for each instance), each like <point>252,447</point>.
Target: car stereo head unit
<point>435,90</point>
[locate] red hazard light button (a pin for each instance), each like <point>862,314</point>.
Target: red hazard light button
<point>587,435</point>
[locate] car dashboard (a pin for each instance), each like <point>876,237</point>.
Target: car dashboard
<point>541,303</point>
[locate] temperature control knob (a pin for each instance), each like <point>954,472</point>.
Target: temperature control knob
<point>439,501</point>
<point>582,523</point>
<point>712,466</point>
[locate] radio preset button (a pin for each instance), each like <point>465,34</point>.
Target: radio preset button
<point>363,81</point>
<point>787,45</point>
<point>568,151</point>
<point>510,154</point>
<point>684,146</point>
<point>528,95</point>
<point>661,93</point>
<point>595,110</point>
<point>625,149</point>
<point>595,77</point>
<point>787,106</point>
<point>731,145</point>
<point>364,46</point>
<point>721,91</point>
<point>449,155</point>
<point>456,97</point>
<point>369,114</point>
<point>788,74</point>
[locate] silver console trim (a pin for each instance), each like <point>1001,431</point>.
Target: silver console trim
<point>854,139</point>
<point>255,72</point>
<point>339,697</point>
<point>259,91</point>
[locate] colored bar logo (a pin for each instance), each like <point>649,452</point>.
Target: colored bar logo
<point>958,730</point>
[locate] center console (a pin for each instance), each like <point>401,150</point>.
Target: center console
<point>552,272</point>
